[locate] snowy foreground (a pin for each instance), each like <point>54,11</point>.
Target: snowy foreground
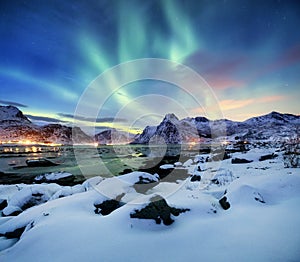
<point>67,224</point>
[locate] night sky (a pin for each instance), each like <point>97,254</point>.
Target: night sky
<point>247,51</point>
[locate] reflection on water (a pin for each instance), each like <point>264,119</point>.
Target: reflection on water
<point>16,149</point>
<point>99,160</point>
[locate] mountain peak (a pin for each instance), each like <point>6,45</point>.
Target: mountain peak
<point>201,119</point>
<point>273,117</point>
<point>274,114</point>
<point>170,117</point>
<point>12,115</point>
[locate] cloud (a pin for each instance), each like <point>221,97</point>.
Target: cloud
<point>97,120</point>
<point>267,99</point>
<point>234,104</point>
<point>45,119</point>
<point>225,83</point>
<point>230,104</point>
<point>9,103</point>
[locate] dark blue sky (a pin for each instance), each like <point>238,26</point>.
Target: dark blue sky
<point>248,51</point>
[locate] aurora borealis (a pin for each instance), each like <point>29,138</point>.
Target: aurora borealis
<point>247,51</point>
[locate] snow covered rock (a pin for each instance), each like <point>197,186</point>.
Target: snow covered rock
<point>62,178</point>
<point>223,177</point>
<point>138,177</point>
<point>28,197</point>
<point>177,164</point>
<point>12,211</point>
<point>240,161</point>
<point>107,206</point>
<point>92,182</point>
<point>141,181</point>
<point>158,210</point>
<point>166,166</point>
<point>68,191</point>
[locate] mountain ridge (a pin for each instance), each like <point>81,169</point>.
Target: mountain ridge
<point>273,125</point>
<point>14,125</point>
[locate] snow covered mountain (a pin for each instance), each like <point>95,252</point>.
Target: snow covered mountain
<point>14,126</point>
<point>113,136</point>
<point>10,115</point>
<point>274,118</point>
<point>273,126</point>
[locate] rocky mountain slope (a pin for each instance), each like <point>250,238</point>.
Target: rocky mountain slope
<point>10,115</point>
<point>14,126</point>
<point>273,126</point>
<point>113,136</point>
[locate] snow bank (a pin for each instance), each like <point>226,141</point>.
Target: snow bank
<point>28,197</point>
<point>263,214</point>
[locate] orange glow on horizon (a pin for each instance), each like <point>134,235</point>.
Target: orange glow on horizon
<point>28,142</point>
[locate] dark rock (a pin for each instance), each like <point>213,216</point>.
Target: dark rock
<point>267,157</point>
<point>259,198</point>
<point>65,181</point>
<point>3,203</point>
<point>195,178</point>
<point>41,162</point>
<point>144,184</point>
<point>37,194</point>
<point>142,155</point>
<point>215,181</point>
<point>240,161</point>
<point>224,203</point>
<point>158,210</point>
<point>126,171</point>
<point>14,234</point>
<point>108,206</point>
<point>176,174</point>
<point>152,166</point>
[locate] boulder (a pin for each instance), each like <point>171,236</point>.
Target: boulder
<point>158,210</point>
<point>17,233</point>
<point>224,203</point>
<point>240,161</point>
<point>267,157</point>
<point>3,204</point>
<point>106,207</point>
<point>195,178</point>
